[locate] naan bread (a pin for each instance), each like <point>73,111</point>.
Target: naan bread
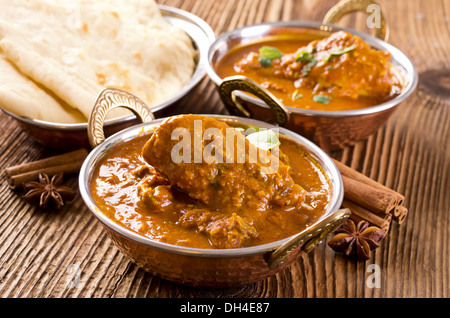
<point>76,48</point>
<point>21,96</point>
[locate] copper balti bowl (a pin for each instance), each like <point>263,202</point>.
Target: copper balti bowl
<point>198,266</point>
<point>61,136</point>
<point>331,130</point>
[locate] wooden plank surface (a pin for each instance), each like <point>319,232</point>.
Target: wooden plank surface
<point>67,253</point>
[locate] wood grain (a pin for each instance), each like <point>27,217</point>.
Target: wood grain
<point>42,251</point>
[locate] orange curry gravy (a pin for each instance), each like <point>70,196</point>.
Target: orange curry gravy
<point>133,194</point>
<point>339,72</point>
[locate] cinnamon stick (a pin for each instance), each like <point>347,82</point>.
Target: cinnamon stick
<point>363,214</point>
<point>358,176</point>
<point>365,195</point>
<point>70,162</point>
<point>399,209</point>
<point>400,214</point>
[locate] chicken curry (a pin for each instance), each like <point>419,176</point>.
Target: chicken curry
<point>339,72</point>
<point>229,203</point>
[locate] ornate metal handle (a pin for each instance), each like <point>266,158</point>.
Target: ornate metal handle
<point>309,238</point>
<point>344,7</point>
<point>108,99</point>
<point>242,83</point>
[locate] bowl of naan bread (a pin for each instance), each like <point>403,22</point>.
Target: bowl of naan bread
<point>55,58</point>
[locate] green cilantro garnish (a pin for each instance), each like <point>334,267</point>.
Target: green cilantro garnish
<point>270,52</point>
<point>321,99</point>
<point>305,56</point>
<point>267,54</point>
<point>296,95</point>
<point>265,61</point>
<point>307,68</point>
<point>338,51</point>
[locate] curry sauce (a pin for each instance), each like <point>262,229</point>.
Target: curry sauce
<point>146,200</point>
<point>339,72</point>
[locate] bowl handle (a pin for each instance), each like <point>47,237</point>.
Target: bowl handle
<point>308,239</point>
<point>243,83</point>
<point>343,7</point>
<point>108,99</point>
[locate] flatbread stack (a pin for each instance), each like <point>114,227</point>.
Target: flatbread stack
<point>57,55</point>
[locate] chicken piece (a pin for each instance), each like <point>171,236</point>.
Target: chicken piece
<point>341,64</point>
<point>232,179</point>
<point>153,190</point>
<point>224,231</point>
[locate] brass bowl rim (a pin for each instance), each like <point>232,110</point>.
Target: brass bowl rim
<point>409,71</point>
<point>98,153</point>
<point>198,74</point>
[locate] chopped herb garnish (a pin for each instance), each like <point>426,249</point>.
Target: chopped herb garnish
<point>338,51</point>
<point>307,68</point>
<point>265,61</point>
<point>330,68</point>
<point>265,139</point>
<point>267,55</point>
<point>270,52</point>
<point>296,95</point>
<point>304,56</point>
<point>321,99</point>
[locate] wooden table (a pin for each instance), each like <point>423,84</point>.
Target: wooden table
<point>41,251</point>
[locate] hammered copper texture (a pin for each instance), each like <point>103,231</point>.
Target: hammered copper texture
<point>194,270</point>
<point>329,133</point>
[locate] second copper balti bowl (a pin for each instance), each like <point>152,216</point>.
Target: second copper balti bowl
<point>331,130</point>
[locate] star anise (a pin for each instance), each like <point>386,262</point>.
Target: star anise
<point>48,191</point>
<point>358,240</point>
